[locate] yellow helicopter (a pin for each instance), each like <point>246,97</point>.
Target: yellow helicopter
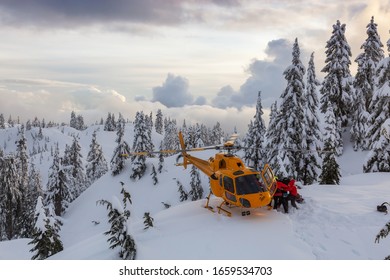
<point>237,184</point>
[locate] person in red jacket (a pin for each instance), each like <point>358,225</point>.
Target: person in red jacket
<point>280,196</point>
<point>293,192</point>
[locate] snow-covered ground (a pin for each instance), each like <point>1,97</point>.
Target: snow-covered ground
<point>335,222</point>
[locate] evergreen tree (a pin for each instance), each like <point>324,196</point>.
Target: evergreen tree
<point>170,141</point>
<point>74,168</point>
<point>290,118</point>
<point>10,197</point>
<point>141,144</point>
<point>96,162</point>
<point>337,85</point>
<point>380,105</point>
<point>330,174</point>
<point>148,220</point>
<point>383,233</point>
<point>196,191</point>
<point>216,134</point>
<point>2,121</point>
<point>154,175</point>
<point>159,125</point>
<point>364,85</point>
<point>255,154</point>
<point>58,194</point>
<point>34,190</point>
<point>378,160</point>
<point>311,158</point>
<point>109,124</point>
<point>160,160</point>
<point>121,151</point>
<point>21,162</point>
<point>46,239</point>
<point>118,233</point>
<point>73,120</point>
<point>183,193</point>
<point>272,138</point>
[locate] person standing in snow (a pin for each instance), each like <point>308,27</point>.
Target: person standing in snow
<point>293,192</point>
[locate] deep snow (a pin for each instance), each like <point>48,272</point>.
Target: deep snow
<point>335,222</point>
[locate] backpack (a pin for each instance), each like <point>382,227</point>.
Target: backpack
<point>382,207</point>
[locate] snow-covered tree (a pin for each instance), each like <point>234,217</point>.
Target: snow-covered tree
<point>291,116</point>
<point>337,85</point>
<point>364,85</point>
<point>255,154</point>
<point>154,175</point>
<point>2,121</point>
<point>310,147</point>
<point>96,162</point>
<point>272,139</point>
<point>10,197</point>
<point>380,105</point>
<point>160,160</point>
<point>159,124</point>
<point>74,167</point>
<point>148,220</point>
<point>378,160</point>
<point>330,173</point>
<point>121,152</point>
<point>58,194</point>
<point>46,238</point>
<point>196,191</point>
<point>109,124</point>
<point>170,140</point>
<point>383,233</point>
<point>183,193</point>
<point>141,143</point>
<point>119,235</point>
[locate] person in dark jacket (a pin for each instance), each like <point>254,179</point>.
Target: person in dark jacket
<point>293,193</point>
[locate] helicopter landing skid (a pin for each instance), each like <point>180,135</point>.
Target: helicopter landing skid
<point>229,214</point>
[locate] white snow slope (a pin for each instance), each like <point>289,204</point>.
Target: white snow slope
<point>335,222</point>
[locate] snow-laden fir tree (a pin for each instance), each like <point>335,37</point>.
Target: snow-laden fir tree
<point>141,143</point>
<point>291,116</point>
<point>96,162</point>
<point>255,154</point>
<point>364,85</point>
<point>378,160</point>
<point>159,124</point>
<point>2,121</point>
<point>183,193</point>
<point>337,84</point>
<point>45,239</point>
<point>154,175</point>
<point>170,140</point>
<point>330,173</point>
<point>109,124</point>
<point>160,160</point>
<point>74,168</point>
<point>148,220</point>
<point>121,152</point>
<point>311,157</point>
<point>383,233</point>
<point>33,191</point>
<point>380,105</point>
<point>58,194</point>
<point>272,139</point>
<point>196,191</point>
<point>216,134</point>
<point>21,162</point>
<point>119,235</point>
<point>10,197</point>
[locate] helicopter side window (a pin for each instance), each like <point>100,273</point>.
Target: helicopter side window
<point>228,184</point>
<point>248,184</point>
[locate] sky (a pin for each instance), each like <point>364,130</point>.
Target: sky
<point>204,61</point>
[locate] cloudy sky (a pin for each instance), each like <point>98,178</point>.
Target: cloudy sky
<point>203,60</point>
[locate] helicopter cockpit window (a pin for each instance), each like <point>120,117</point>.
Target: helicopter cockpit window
<point>248,184</point>
<point>228,184</point>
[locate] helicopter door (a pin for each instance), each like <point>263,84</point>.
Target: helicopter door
<point>269,179</point>
<point>228,185</point>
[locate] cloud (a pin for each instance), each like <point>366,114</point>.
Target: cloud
<point>265,75</point>
<point>174,92</point>
<point>71,13</point>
